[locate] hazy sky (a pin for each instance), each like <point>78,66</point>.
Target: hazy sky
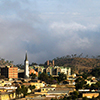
<point>47,29</point>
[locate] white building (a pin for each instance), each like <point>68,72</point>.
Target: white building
<point>26,67</point>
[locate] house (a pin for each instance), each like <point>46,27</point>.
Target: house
<point>46,89</point>
<point>90,82</point>
<point>7,96</point>
<point>38,83</point>
<point>33,71</point>
<point>90,94</point>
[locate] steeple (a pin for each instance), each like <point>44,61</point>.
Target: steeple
<point>26,67</point>
<point>26,57</point>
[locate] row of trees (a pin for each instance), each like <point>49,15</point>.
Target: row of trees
<point>50,79</point>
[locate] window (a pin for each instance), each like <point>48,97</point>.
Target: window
<point>58,73</point>
<point>39,72</point>
<point>48,73</point>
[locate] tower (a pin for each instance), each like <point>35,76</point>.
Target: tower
<point>48,62</point>
<point>53,63</point>
<point>26,67</point>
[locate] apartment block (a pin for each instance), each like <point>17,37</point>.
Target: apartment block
<point>10,72</point>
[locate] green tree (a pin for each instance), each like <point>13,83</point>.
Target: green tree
<point>24,90</point>
<point>61,77</point>
<point>80,83</point>
<point>43,77</point>
<point>31,87</point>
<point>84,98</point>
<point>74,95</point>
<point>18,91</point>
<point>33,76</point>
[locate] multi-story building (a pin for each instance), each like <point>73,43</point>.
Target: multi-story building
<point>10,72</point>
<point>55,71</point>
<point>39,69</point>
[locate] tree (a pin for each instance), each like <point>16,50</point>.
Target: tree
<point>24,90</point>
<point>11,62</point>
<point>18,91</point>
<point>74,95</point>
<point>61,77</point>
<point>31,87</point>
<point>33,64</point>
<point>80,82</point>
<point>33,76</point>
<point>46,78</point>
<point>43,77</point>
<point>84,98</point>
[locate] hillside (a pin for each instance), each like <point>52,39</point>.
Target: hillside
<point>4,63</point>
<point>77,64</point>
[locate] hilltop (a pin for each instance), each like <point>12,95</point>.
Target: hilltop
<point>78,64</point>
<point>4,63</point>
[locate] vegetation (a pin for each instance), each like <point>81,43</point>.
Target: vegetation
<point>31,87</point>
<point>50,79</point>
<point>4,63</point>
<point>78,63</point>
<point>46,78</point>
<point>96,72</point>
<point>33,63</point>
<point>23,90</point>
<point>61,77</point>
<point>74,96</point>
<point>33,76</point>
<point>80,83</point>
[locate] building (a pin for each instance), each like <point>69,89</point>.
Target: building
<point>56,70</point>
<point>39,69</point>
<point>90,94</point>
<point>10,72</point>
<point>52,70</point>
<point>50,63</point>
<point>7,96</point>
<point>38,83</point>
<point>49,71</point>
<point>26,67</point>
<point>46,89</point>
<point>33,71</point>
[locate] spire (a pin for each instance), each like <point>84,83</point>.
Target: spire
<point>26,57</point>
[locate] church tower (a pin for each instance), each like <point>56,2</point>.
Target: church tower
<point>26,67</point>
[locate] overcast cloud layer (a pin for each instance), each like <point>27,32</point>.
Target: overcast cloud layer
<point>47,29</point>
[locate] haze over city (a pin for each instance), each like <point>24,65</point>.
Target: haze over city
<point>47,29</point>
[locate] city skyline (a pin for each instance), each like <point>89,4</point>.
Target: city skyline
<point>48,29</point>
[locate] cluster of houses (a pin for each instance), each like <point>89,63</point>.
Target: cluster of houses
<point>15,72</point>
<point>16,77</point>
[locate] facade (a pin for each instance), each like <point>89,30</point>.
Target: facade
<point>57,70</point>
<point>39,69</point>
<point>26,67</point>
<point>54,71</point>
<point>10,72</point>
<point>49,71</point>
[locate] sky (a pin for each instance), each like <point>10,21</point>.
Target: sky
<point>47,29</point>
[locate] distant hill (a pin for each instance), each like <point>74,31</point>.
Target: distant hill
<point>78,64</point>
<point>4,63</point>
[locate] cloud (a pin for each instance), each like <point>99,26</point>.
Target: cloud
<point>46,33</point>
